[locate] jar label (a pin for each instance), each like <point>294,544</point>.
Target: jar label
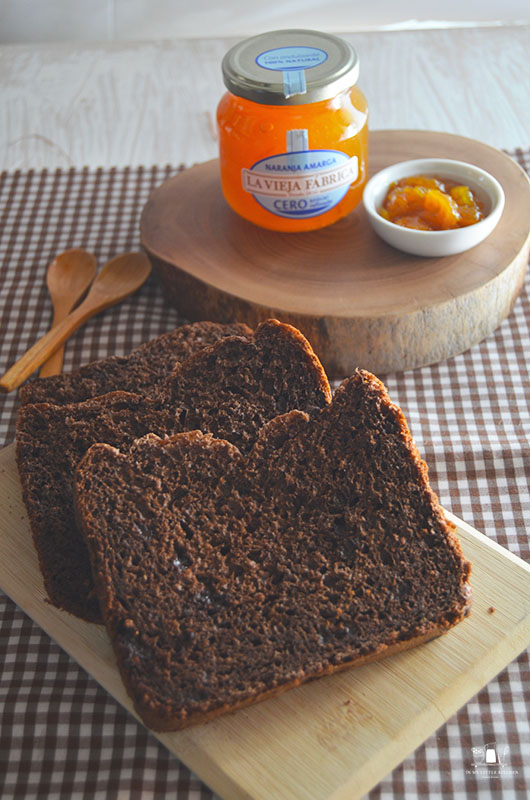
<point>301,184</point>
<point>292,61</point>
<point>294,57</point>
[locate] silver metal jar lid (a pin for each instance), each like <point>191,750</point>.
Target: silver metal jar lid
<point>290,67</point>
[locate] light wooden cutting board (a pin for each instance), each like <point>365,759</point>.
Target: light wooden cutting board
<point>334,738</point>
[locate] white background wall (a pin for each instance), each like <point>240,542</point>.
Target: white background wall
<point>107,20</point>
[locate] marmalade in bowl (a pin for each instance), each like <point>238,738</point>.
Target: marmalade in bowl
<point>431,204</point>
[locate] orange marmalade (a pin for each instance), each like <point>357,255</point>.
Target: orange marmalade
<point>293,133</point>
<point>431,204</point>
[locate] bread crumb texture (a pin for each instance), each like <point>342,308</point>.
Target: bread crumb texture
<point>230,385</point>
<point>227,573</point>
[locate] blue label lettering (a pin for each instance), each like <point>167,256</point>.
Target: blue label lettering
<point>301,184</point>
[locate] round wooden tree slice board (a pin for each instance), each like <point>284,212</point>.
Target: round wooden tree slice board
<point>359,301</point>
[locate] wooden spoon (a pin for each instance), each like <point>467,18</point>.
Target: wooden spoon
<point>118,278</point>
<point>69,276</point>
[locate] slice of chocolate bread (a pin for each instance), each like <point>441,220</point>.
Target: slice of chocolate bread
<point>226,578</point>
<point>138,372</point>
<point>231,389</point>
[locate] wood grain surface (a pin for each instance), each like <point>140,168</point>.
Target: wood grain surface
<point>149,102</point>
<point>359,301</point>
<point>334,738</point>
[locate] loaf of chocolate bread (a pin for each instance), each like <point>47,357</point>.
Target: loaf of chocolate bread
<point>138,372</point>
<point>230,389</point>
<point>227,577</point>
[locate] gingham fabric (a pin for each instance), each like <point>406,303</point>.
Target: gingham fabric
<point>62,735</point>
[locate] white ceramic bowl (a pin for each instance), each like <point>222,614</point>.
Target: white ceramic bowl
<point>435,243</point>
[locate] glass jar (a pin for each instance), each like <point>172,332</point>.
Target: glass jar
<point>293,130</point>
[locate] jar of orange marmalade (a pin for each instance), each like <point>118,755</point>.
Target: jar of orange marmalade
<point>293,132</point>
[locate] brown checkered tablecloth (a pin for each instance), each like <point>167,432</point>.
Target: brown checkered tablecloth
<point>62,736</point>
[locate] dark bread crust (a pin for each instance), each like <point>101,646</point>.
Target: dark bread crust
<point>226,578</point>
<point>138,372</point>
<point>151,717</point>
<point>231,388</point>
